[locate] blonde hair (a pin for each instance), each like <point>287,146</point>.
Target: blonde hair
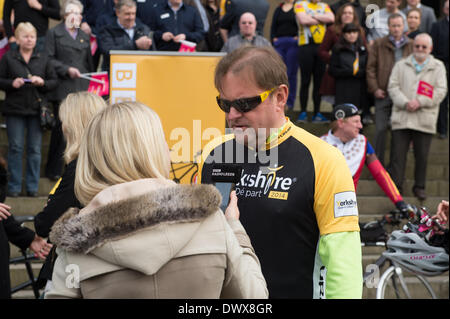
<point>23,27</point>
<point>75,112</point>
<point>123,142</point>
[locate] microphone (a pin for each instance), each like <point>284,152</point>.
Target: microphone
<point>225,178</point>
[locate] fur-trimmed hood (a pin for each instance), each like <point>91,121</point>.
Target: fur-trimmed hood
<point>150,218</point>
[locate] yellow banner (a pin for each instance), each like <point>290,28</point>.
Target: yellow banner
<point>180,88</point>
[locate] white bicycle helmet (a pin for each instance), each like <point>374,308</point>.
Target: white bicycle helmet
<point>413,253</point>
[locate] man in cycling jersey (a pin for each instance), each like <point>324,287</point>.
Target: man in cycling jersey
<point>344,134</point>
<point>296,197</point>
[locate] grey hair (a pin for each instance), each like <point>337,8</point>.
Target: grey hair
<point>426,36</point>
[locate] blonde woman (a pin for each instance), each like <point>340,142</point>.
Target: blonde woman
<point>25,76</point>
<point>76,111</point>
<point>141,235</point>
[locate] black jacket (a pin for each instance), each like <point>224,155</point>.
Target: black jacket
<point>187,21</point>
<point>11,231</point>
<point>65,52</point>
<point>58,203</point>
<point>349,88</point>
<point>24,13</point>
<point>24,101</point>
<point>235,8</point>
<point>439,33</point>
<point>92,9</point>
<point>113,37</point>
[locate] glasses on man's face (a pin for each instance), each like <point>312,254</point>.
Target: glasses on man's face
<point>245,104</point>
<point>418,46</point>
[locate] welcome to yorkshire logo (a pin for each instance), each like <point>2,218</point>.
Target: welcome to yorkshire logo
<point>346,203</point>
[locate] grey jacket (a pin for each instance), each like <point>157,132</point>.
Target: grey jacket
<point>237,41</point>
<point>65,52</point>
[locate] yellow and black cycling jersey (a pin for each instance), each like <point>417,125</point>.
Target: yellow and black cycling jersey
<point>290,197</point>
<point>316,33</point>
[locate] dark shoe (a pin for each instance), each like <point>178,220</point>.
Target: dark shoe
<point>12,194</point>
<point>53,178</point>
<point>419,193</point>
<point>32,194</point>
<point>442,136</point>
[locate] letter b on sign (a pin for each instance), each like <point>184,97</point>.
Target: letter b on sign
<point>124,75</point>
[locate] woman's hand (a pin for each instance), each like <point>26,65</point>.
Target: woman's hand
<point>4,211</point>
<point>73,72</point>
<point>232,211</point>
<point>18,83</point>
<point>37,80</point>
<point>40,247</point>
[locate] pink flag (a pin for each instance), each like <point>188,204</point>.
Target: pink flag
<point>100,89</point>
<point>425,88</point>
<point>94,45</point>
<point>4,46</point>
<point>187,46</point>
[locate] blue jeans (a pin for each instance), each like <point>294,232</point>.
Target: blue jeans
<point>16,126</point>
<point>287,47</point>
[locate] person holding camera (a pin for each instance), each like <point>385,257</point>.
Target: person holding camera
<point>25,76</point>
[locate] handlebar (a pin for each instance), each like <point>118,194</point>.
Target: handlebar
<point>23,219</point>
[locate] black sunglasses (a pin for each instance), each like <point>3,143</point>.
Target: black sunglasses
<point>243,105</point>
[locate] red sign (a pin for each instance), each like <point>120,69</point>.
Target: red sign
<point>425,89</point>
<point>187,46</point>
<point>100,89</point>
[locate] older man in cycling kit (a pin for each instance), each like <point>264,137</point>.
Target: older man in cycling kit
<point>344,134</point>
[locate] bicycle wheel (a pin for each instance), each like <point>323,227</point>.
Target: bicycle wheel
<point>393,285</point>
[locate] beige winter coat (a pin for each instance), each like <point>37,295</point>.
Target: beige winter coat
<point>403,87</point>
<point>154,239</point>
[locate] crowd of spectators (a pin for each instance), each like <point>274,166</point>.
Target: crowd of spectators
<point>396,60</point>
<point>347,55</point>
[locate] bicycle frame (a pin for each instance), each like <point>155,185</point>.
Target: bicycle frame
<point>26,259</point>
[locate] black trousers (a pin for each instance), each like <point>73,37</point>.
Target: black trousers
<point>401,140</point>
<point>55,160</point>
<point>310,66</point>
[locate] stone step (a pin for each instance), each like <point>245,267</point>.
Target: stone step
<point>380,205</point>
<point>21,206</point>
<point>19,275</point>
<point>434,171</point>
<point>368,187</point>
<point>439,283</point>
